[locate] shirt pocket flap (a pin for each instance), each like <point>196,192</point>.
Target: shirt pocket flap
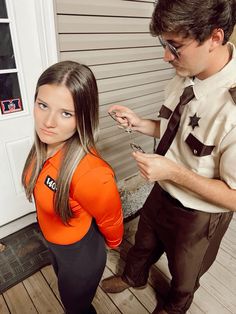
<point>198,148</point>
<point>164,112</point>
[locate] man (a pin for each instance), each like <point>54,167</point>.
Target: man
<point>194,197</point>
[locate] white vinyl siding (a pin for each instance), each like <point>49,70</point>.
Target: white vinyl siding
<point>112,37</point>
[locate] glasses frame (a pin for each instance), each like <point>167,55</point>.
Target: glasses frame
<point>136,147</point>
<point>172,49</point>
<point>113,116</point>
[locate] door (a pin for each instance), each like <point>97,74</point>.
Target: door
<point>22,59</point>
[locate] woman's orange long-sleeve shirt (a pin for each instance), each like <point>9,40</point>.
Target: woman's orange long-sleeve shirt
<point>93,194</point>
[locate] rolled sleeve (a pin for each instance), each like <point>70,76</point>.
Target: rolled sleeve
<point>228,157</point>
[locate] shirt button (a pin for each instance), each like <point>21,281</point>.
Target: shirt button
<point>195,152</point>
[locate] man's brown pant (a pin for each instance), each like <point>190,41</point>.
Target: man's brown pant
<point>190,238</point>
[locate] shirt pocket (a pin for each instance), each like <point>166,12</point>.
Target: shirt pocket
<point>198,148</point>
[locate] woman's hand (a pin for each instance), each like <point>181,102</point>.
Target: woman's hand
<point>155,167</point>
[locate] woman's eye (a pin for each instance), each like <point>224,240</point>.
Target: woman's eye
<point>42,106</point>
<point>66,114</point>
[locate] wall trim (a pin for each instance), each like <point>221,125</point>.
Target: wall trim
<point>47,31</point>
<point>17,224</point>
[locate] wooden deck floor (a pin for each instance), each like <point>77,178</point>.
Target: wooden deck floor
<point>217,294</point>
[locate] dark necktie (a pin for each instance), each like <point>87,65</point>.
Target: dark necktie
<point>174,121</point>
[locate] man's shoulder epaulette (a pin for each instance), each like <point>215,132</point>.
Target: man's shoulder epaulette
<point>232,92</point>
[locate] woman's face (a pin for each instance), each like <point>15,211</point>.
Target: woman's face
<point>54,115</point>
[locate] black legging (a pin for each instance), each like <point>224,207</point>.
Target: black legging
<point>79,268</point>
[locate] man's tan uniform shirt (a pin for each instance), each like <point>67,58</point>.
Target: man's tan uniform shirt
<point>206,139</point>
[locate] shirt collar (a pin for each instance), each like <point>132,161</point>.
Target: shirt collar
<point>223,78</point>
<point>55,160</point>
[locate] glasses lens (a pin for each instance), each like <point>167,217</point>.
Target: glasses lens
<point>112,115</point>
<point>136,147</point>
<point>172,49</point>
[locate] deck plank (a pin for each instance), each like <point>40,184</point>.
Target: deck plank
<point>42,296</point>
<point>104,304</point>
<point>126,301</point>
<point>208,304</point>
<point>3,306</point>
<point>19,301</point>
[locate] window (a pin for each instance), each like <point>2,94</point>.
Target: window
<point>10,96</point>
<point>3,10</point>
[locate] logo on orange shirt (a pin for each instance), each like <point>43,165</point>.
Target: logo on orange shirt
<point>50,183</point>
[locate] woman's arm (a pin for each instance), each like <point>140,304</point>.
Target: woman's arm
<point>97,193</point>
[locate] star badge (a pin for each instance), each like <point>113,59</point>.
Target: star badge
<point>194,121</point>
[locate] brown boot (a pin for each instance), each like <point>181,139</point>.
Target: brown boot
<point>114,285</point>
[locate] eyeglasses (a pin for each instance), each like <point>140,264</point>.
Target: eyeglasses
<point>135,147</point>
<point>175,51</point>
<point>172,49</point>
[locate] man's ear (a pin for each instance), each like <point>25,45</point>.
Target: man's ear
<point>217,38</point>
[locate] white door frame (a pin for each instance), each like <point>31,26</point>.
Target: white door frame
<point>33,31</point>
<point>47,31</point>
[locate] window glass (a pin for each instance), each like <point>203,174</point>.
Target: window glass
<point>3,10</point>
<point>7,59</point>
<point>10,96</point>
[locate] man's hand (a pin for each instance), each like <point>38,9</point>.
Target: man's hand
<point>128,119</point>
<point>125,117</point>
<point>154,167</point>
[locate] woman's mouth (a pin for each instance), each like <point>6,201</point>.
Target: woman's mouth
<point>47,132</point>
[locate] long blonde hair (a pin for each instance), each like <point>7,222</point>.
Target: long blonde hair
<point>80,81</point>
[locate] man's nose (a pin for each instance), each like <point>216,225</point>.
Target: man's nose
<point>168,55</point>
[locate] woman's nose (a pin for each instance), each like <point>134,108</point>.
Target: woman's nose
<point>50,120</point>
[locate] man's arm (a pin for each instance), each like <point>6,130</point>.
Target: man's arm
<point>212,190</point>
<point>157,168</point>
<point>149,127</point>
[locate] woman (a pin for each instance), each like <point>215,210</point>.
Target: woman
<point>77,201</point>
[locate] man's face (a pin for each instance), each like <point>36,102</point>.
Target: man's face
<point>188,57</point>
